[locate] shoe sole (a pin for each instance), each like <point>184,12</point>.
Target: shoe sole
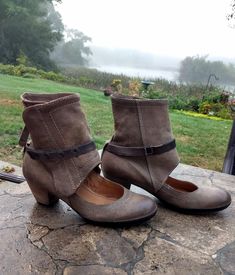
<point>193,211</point>
<point>128,223</point>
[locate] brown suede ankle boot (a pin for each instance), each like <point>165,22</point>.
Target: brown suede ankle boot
<point>61,162</point>
<point>142,152</point>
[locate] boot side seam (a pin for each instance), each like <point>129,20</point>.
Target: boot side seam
<point>140,120</point>
<point>72,161</point>
<point>62,138</point>
<point>57,145</point>
<point>53,141</point>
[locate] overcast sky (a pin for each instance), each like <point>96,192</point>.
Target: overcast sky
<point>165,27</point>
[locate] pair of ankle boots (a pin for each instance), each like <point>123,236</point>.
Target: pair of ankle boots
<point>61,160</point>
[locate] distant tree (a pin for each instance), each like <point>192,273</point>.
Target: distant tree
<point>196,70</point>
<point>73,50</point>
<point>29,28</point>
<point>231,15</point>
<point>193,70</point>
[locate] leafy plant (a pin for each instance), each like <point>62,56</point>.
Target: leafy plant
<point>117,85</point>
<point>134,87</point>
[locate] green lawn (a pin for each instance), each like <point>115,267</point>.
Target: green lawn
<point>200,142</point>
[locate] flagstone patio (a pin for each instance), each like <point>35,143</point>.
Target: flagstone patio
<point>54,240</point>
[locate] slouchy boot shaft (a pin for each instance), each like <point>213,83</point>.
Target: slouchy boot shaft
<point>56,122</point>
<point>143,123</point>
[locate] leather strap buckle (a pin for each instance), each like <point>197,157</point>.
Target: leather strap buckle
<point>148,151</point>
<point>140,151</point>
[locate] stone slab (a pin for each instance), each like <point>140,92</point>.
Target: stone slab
<point>55,240</point>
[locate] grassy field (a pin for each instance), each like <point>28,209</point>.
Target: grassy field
<point>200,142</point>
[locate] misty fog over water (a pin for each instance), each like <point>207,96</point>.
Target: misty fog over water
<point>134,63</point>
<point>171,75</point>
<point>139,72</point>
<point>155,44</point>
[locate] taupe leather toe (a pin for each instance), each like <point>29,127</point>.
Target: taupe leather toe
<point>143,152</point>
<point>123,206</point>
<point>186,196</point>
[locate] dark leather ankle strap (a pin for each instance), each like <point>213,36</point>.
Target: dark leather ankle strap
<point>140,151</point>
<point>60,154</point>
<point>24,137</point>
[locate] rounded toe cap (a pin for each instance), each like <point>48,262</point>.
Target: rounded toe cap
<point>140,207</point>
<point>223,198</point>
<point>214,199</point>
<point>131,208</point>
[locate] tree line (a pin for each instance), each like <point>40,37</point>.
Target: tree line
<point>199,70</point>
<point>31,30</point>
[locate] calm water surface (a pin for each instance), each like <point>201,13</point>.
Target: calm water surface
<point>143,73</point>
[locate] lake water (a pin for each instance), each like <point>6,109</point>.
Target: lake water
<point>137,72</point>
<point>147,73</point>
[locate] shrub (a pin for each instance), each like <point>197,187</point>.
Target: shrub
<point>215,109</point>
<point>85,81</point>
<point>194,104</point>
<point>225,113</point>
<point>53,76</point>
<point>205,108</point>
<point>22,70</point>
<point>197,98</point>
<point>178,103</point>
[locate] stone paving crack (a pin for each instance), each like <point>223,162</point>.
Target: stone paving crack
<point>166,237</point>
<point>225,258</point>
<point>211,177</point>
<point>42,249</point>
<point>129,267</point>
<point>220,268</point>
<point>59,227</point>
<point>12,227</point>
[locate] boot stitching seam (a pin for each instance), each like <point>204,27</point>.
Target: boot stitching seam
<point>49,134</point>
<point>80,179</point>
<point>85,162</point>
<point>61,136</point>
<point>140,120</point>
